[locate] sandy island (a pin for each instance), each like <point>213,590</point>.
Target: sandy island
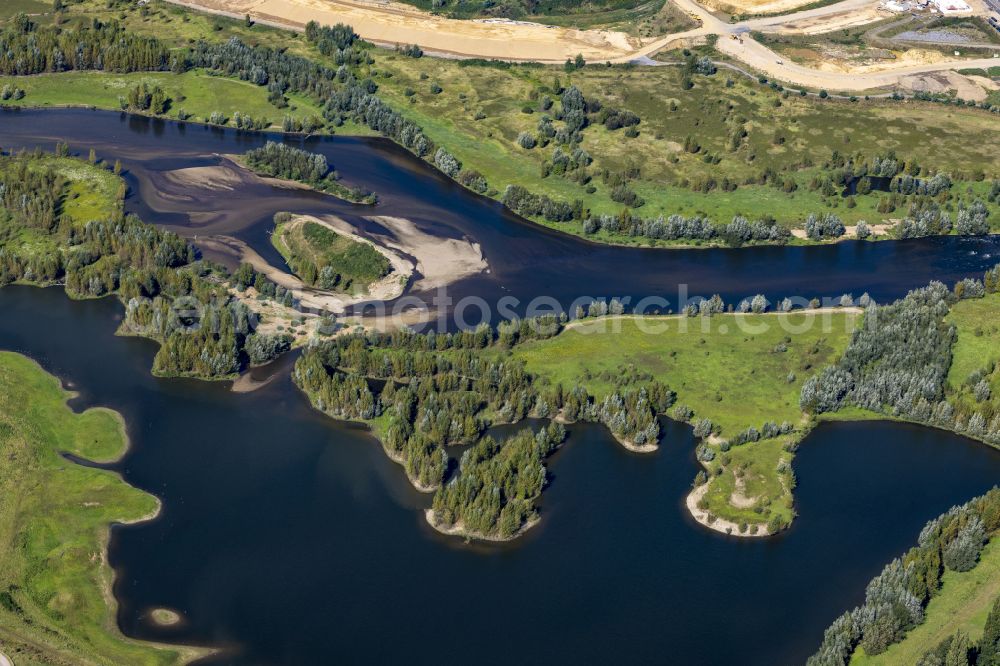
<point>164,617</point>
<point>387,288</point>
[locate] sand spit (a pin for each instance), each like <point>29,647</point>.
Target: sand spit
<point>440,261</point>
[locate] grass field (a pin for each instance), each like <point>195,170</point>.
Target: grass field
<point>741,371</point>
<point>977,349</point>
<point>962,604</point>
<point>480,112</point>
<point>54,518</point>
<point>9,8</point>
<point>194,92</point>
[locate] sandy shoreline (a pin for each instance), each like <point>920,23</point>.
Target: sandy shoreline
<point>458,530</point>
<point>387,288</point>
<point>719,524</point>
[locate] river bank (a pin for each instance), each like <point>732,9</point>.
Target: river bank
<point>77,508</point>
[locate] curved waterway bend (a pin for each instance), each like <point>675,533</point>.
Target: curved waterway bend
<point>289,539</point>
<point>524,260</point>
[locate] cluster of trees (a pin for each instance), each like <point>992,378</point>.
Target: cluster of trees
<point>907,184</point>
<point>497,484</point>
<point>973,220</point>
<point>283,161</point>
<point>437,390</point>
<point>26,48</point>
<point>527,204</point>
<point>895,599</point>
<point>11,92</point>
<point>449,397</point>
<point>279,71</point>
<point>144,97</point>
<point>827,225</point>
<point>335,40</point>
<point>307,125</point>
<point>30,196</point>
<point>630,414</point>
<point>925,218</point>
<point>898,361</point>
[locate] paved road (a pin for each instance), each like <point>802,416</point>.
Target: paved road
<point>760,58</point>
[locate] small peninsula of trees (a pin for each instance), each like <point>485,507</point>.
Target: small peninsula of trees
<point>427,392</point>
<point>895,599</point>
<point>898,363</point>
<point>493,495</point>
<point>170,297</point>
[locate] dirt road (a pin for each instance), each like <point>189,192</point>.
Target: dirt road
<point>394,23</point>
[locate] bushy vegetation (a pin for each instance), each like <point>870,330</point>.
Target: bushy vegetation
<point>497,484</point>
<point>326,259</point>
<point>899,361</point>
<point>45,238</point>
<point>896,599</point>
<point>283,161</point>
<point>424,393</point>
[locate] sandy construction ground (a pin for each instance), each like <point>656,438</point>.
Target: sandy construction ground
<point>757,6</point>
<point>395,23</point>
<point>847,14</point>
<point>387,22</point>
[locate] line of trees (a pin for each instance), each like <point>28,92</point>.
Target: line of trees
<point>895,599</point>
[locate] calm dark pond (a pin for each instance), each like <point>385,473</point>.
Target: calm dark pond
<point>525,260</point>
<point>292,540</point>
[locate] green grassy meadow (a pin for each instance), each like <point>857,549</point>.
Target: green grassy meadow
<point>962,604</point>
<point>54,518</point>
<point>357,264</point>
<point>977,349</point>
<point>739,371</point>
<point>32,7</point>
<point>194,92</point>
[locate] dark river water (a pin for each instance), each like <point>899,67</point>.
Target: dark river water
<point>525,260</point>
<point>290,539</point>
